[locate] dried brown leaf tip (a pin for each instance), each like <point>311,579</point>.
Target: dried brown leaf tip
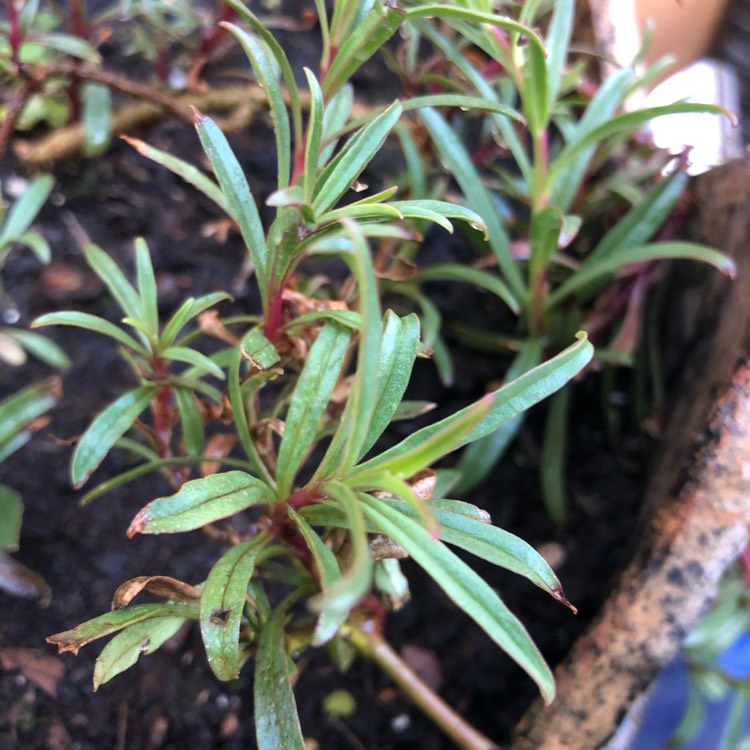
<point>162,586</point>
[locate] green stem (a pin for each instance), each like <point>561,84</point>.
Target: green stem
<point>538,276</point>
<point>365,638</point>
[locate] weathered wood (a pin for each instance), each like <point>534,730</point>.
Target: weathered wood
<point>697,517</point>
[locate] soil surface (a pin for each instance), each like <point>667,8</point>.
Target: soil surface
<point>171,699</point>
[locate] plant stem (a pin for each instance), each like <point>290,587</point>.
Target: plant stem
<point>365,638</point>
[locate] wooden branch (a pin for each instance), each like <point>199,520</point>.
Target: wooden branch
<point>695,527</point>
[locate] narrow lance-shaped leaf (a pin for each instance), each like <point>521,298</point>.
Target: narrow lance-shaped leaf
<point>309,400</point>
<point>90,323</point>
<point>234,184</point>
<point>461,167</point>
<point>191,420</point>
<point>276,720</point>
<point>422,454</point>
<point>557,43</point>
<point>199,502</point>
<point>195,358</point>
<point>114,279</point>
<point>398,351</point>
<point>341,173</point>
<point>313,136</point>
<point>191,174</point>
<point>222,605</point>
<point>642,221</point>
<point>327,567</point>
<point>645,253</point>
<point>26,405</point>
<point>106,429</point>
<point>124,650</point>
<point>11,512</point>
<point>553,456</point>
<point>505,403</point>
<point>188,310</point>
<point>23,212</point>
<point>96,115</point>
<point>493,544</point>
<point>282,61</point>
<point>266,75</point>
<point>111,622</point>
<point>363,41</point>
<point>147,288</point>
<point>354,425</point>
<point>39,346</point>
<point>355,582</point>
<point>465,588</point>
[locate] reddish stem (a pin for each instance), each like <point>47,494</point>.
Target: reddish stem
<point>15,38</point>
<point>210,38</point>
<point>77,25</point>
<point>274,317</point>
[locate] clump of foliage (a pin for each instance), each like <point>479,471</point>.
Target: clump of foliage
<point>330,515</point>
<point>294,400</point>
<point>577,210</point>
<point>23,412</point>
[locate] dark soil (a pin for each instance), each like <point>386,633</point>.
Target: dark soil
<point>171,699</point>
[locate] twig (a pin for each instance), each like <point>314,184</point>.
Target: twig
<point>370,643</point>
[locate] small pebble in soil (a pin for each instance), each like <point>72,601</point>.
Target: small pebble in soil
<point>400,723</point>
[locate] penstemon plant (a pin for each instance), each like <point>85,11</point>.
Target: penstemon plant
<point>574,237</point>
<point>329,513</point>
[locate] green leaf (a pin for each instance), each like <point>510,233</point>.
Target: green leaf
<point>96,114</point>
<point>259,351</point>
<point>534,92</point>
<point>193,357</point>
<point>480,278</point>
<point>281,60</point>
<point>354,426</point>
<point>188,310</point>
<point>192,175</point>
<point>106,429</point>
<point>336,114</point>
<point>191,420</point>
<point>544,234</point>
<point>481,456</point>
<point>119,287</point>
<point>147,287</point>
<point>40,346</point>
<point>451,14</point>
<point>276,720</point>
<point>222,605</point>
<point>200,502</point>
<point>398,351</point>
<point>11,513</point>
<point>642,221</point>
<point>67,44</point>
<point>111,622</point>
<point>429,209</point>
<point>692,718</point>
<point>342,172</point>
<point>124,650</point>
<point>459,163</point>
<point>500,547</point>
<point>327,567</point>
<point>622,125</point>
<point>602,269</point>
<point>234,184</point>
<point>266,75</point>
<point>240,415</point>
<point>309,401</point>
<point>27,405</point>
<point>553,456</point>
<point>508,401</point>
<point>363,41</point>
<point>90,323</point>
<point>355,582</point>
<point>23,212</point>
<point>313,136</point>
<point>557,43</point>
<point>465,588</point>
<point>422,454</point>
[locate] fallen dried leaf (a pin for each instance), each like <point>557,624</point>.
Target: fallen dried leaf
<point>42,670</point>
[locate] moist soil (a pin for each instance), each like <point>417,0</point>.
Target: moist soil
<point>171,699</point>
